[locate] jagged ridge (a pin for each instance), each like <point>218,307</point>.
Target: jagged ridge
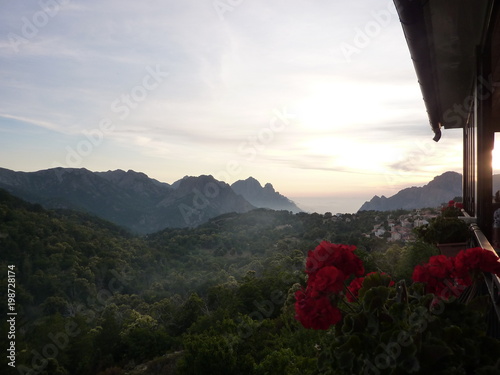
<point>441,189</point>
<point>132,199</point>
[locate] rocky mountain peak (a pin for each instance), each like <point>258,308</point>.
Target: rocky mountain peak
<point>189,183</point>
<point>266,196</point>
<point>269,187</point>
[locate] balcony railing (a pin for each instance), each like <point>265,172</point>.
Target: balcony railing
<point>491,281</point>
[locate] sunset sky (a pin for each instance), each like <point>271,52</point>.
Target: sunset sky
<point>319,98</point>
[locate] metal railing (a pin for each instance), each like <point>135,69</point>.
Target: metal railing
<point>491,281</point>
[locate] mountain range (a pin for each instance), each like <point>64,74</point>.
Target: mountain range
<point>145,205</point>
<point>137,202</point>
<point>440,190</point>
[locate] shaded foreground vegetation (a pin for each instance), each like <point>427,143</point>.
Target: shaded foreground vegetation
<point>217,299</point>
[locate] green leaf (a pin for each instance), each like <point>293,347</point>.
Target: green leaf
<point>374,280</point>
<point>375,298</point>
<point>435,352</point>
<point>480,304</point>
<point>345,360</point>
<point>452,333</point>
<point>354,323</point>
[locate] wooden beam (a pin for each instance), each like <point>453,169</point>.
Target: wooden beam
<point>485,143</point>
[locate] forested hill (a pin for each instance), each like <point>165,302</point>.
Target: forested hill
<point>92,299</point>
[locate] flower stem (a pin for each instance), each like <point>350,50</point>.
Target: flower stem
<point>348,306</point>
<point>352,295</point>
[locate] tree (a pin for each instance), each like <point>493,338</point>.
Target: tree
<point>212,355</point>
<point>142,338</point>
<point>190,311</point>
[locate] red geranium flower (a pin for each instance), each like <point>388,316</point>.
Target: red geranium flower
<point>327,280</point>
<point>325,315</point>
<point>471,261</point>
<point>448,277</point>
<point>353,289</point>
<point>440,266</point>
<point>438,275</point>
<point>340,256</point>
<point>315,313</point>
<point>303,307</point>
<point>327,266</point>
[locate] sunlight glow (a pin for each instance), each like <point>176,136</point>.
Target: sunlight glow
<point>335,106</point>
<point>496,155</point>
<point>343,153</point>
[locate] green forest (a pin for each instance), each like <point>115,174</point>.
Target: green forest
<point>91,298</point>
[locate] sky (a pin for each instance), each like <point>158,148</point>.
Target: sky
<point>319,98</point>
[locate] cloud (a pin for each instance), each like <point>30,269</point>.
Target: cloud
<point>426,157</point>
<point>35,122</point>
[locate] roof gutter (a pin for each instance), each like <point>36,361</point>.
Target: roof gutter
<point>412,17</point>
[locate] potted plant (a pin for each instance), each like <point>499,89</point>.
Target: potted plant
<point>452,209</point>
<point>447,231</point>
<point>374,325</point>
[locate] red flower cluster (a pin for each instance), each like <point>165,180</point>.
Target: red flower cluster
<point>438,275</point>
<point>357,284</point>
<point>446,277</point>
<point>315,313</point>
<point>327,280</point>
<point>458,205</point>
<point>327,266</point>
<point>453,209</point>
<point>340,256</point>
<point>471,261</point>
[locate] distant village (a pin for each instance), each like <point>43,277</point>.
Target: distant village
<point>401,228</point>
<point>395,229</point>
